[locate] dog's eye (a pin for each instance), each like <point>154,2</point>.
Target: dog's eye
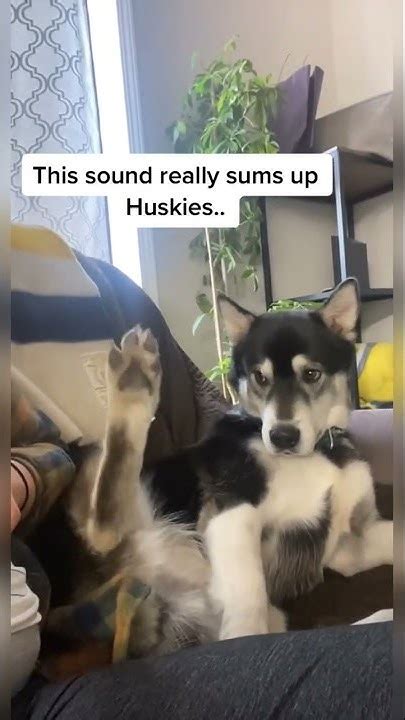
<point>311,375</point>
<point>261,379</point>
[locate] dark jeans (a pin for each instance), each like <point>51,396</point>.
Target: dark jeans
<point>330,674</point>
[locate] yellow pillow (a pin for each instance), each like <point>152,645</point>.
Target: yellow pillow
<point>375,368</point>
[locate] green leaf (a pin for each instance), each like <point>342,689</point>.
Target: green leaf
<point>222,369</point>
<point>213,374</point>
<point>197,322</point>
<point>204,303</point>
<point>283,305</point>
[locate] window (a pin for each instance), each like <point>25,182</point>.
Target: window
<point>106,51</point>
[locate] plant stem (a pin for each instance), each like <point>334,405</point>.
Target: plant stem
<point>232,395</point>
<point>224,276</point>
<point>223,268</point>
<point>215,308</point>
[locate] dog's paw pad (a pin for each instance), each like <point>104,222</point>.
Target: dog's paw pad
<point>115,360</point>
<point>138,341</point>
<point>132,340</point>
<point>136,365</point>
<point>150,343</point>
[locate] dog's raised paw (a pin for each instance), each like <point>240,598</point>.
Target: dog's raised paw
<point>135,367</point>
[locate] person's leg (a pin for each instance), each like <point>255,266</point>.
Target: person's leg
<point>25,642</point>
<point>336,673</point>
<point>24,651</point>
<point>37,581</point>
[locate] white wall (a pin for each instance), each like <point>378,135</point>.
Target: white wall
<point>375,226</point>
<point>362,42</point>
<point>352,41</point>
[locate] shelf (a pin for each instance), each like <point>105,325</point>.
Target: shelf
<point>364,176</point>
<point>366,296</point>
<point>361,176</point>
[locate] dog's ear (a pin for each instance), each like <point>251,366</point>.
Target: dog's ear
<point>341,311</point>
<point>237,321</point>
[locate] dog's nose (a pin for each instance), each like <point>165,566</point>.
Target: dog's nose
<point>284,437</point>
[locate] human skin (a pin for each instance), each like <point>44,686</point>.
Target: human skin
<point>19,497</point>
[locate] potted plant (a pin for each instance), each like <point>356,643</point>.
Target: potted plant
<point>228,109</point>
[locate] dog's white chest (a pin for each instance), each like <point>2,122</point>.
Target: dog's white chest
<point>297,488</point>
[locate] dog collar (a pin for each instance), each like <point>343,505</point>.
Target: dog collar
<point>331,437</point>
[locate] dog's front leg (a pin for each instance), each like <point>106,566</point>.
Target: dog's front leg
<point>372,548</point>
<point>238,588</point>
<point>133,386</point>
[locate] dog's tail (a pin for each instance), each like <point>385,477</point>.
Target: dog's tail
<point>172,561</point>
<point>169,557</point>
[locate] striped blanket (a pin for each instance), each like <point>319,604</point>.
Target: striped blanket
<point>60,334</point>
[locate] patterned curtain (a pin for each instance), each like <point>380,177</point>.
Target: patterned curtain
<point>54,109</point>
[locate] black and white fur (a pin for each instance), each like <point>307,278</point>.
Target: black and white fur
<point>272,505</point>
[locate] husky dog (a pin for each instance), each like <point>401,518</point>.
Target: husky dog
<point>277,491</point>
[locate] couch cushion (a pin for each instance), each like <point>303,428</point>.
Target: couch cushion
<point>372,431</point>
